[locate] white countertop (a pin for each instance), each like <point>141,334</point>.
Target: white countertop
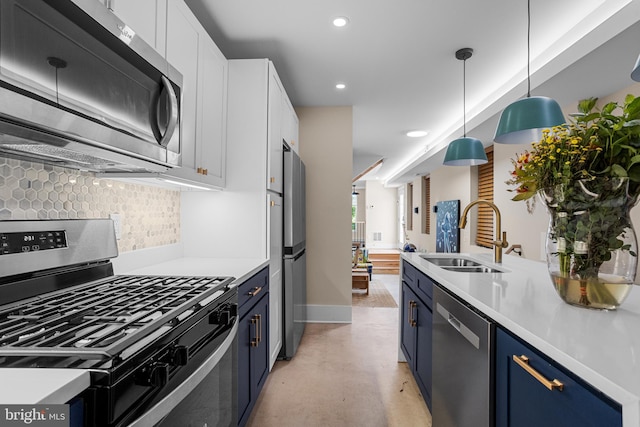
<point>41,386</point>
<point>601,347</point>
<point>36,386</point>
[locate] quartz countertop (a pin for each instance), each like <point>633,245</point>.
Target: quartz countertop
<point>42,386</point>
<point>601,347</point>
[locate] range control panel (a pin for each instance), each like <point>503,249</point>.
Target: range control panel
<point>13,243</point>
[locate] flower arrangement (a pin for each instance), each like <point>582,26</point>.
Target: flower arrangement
<point>587,172</point>
<point>597,143</point>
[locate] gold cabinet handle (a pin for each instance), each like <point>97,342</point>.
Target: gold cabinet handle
<point>412,321</point>
<point>272,179</point>
<point>205,171</point>
<point>255,341</point>
<point>523,361</point>
<point>272,203</point>
<point>259,328</point>
<point>255,291</point>
<point>199,170</point>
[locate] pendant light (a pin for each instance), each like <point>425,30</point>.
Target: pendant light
<point>523,121</point>
<point>465,151</point>
<point>354,192</point>
<point>635,74</point>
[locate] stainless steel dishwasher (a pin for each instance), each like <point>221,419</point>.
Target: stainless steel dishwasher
<point>463,386</point>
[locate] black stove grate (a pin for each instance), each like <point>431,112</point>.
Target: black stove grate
<point>104,319</point>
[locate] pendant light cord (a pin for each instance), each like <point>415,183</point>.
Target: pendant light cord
<point>528,48</point>
<point>464,98</point>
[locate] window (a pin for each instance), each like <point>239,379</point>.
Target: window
<point>409,197</point>
<point>426,204</point>
<point>484,225</point>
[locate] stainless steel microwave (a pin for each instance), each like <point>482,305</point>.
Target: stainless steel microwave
<point>80,89</point>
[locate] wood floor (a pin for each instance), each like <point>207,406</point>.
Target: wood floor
<point>345,375</point>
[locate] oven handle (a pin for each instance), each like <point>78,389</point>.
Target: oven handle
<point>161,409</point>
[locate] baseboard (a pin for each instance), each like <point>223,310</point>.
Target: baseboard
<point>328,313</point>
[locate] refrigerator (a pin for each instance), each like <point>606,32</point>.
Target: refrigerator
<point>294,255</point>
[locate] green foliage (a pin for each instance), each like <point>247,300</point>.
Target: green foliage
<point>604,143</point>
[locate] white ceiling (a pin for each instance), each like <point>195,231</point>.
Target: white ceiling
<point>397,58</point>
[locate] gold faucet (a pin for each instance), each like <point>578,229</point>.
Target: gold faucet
<point>499,243</point>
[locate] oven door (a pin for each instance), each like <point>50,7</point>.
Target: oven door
<point>208,397</point>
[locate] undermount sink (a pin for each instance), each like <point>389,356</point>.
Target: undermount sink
<point>460,264</point>
<point>450,261</point>
<point>473,269</point>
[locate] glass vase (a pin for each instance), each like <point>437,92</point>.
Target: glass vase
<point>591,245</point>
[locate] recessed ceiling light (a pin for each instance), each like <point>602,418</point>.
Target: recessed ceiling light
<point>341,86</point>
<point>340,21</point>
<point>417,133</point>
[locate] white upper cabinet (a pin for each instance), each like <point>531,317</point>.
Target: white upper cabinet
<point>204,73</point>
<point>290,125</point>
<point>173,30</point>
<point>274,153</point>
<point>145,17</point>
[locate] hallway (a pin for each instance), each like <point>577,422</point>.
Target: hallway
<point>345,375</point>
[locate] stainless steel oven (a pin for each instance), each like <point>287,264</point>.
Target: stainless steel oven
<point>160,350</point>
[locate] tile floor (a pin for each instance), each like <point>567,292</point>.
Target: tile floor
<point>345,375</point>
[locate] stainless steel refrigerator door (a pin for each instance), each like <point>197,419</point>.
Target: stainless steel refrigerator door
<point>294,203</point>
<point>295,303</point>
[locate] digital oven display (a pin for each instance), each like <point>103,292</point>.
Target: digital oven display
<point>13,243</point>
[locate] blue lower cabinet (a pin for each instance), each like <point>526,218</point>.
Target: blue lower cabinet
<point>416,329</point>
<point>253,342</point>
<point>524,377</point>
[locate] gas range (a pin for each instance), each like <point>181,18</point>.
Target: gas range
<point>140,337</point>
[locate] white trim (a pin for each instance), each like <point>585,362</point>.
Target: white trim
<point>328,313</point>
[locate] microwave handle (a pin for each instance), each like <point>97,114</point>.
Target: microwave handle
<point>173,114</point>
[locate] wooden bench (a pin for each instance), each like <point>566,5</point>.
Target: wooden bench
<point>360,279</point>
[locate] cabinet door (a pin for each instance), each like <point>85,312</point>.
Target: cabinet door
<point>275,281</point>
<point>423,350</point>
<point>145,17</point>
<point>289,123</point>
<point>522,400</point>
<point>253,356</point>
<point>275,151</point>
<point>409,324</point>
<point>245,331</point>
<point>183,47</point>
<point>212,114</point>
<point>204,70</point>
<point>260,356</point>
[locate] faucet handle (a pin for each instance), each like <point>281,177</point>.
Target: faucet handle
<point>502,243</point>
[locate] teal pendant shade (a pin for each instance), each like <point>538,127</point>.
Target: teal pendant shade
<point>465,152</point>
<point>635,74</point>
<point>523,121</point>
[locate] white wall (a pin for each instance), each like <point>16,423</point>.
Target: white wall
<point>381,215</point>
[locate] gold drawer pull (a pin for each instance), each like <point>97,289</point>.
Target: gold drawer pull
<point>259,327</point>
<point>412,321</point>
<point>255,291</point>
<point>254,321</point>
<point>523,361</point>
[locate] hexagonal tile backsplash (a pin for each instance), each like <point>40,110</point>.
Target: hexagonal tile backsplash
<point>150,215</point>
